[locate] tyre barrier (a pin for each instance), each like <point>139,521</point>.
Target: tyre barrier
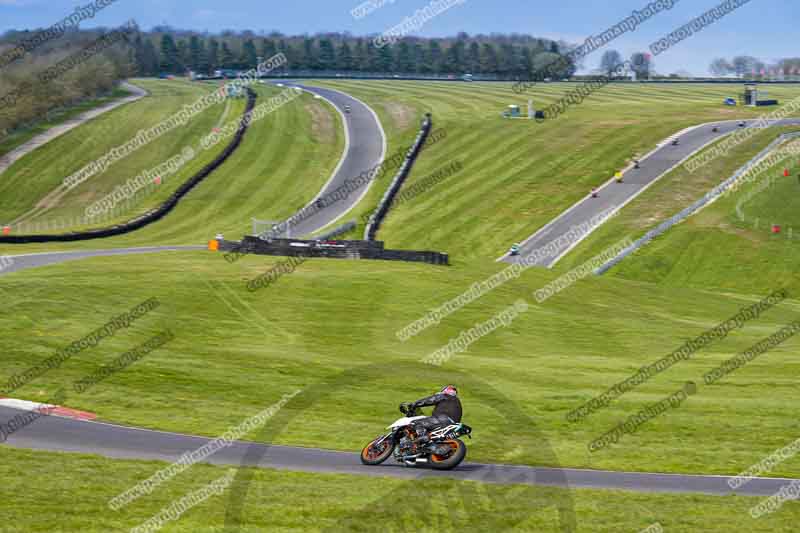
<point>386,202</point>
<point>156,214</point>
<point>330,249</point>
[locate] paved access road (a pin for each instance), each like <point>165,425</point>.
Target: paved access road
<point>613,196</point>
<point>57,131</point>
<point>69,435</point>
<point>25,261</point>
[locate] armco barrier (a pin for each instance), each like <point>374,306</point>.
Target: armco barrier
<point>344,228</point>
<point>386,202</point>
<point>330,249</point>
<point>709,197</point>
<point>155,214</point>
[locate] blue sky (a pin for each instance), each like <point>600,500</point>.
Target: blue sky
<point>762,28</point>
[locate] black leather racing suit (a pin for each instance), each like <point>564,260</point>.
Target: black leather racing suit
<point>446,408</point>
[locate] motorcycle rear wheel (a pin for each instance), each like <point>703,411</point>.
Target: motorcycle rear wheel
<point>452,460</point>
<point>372,457</point>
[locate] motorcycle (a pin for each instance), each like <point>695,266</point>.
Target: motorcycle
<point>443,451</point>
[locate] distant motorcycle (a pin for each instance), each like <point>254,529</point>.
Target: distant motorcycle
<point>444,451</point>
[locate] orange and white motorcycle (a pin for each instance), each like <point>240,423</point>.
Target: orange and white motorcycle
<point>444,450</point>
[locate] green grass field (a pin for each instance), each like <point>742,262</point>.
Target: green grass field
<point>55,118</point>
<point>237,351</point>
<point>746,258</point>
<point>334,322</point>
<point>294,501</point>
<point>518,174</point>
<point>272,174</point>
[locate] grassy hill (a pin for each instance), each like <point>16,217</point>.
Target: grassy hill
<point>718,248</point>
<point>281,165</point>
<point>236,351</point>
<point>519,174</point>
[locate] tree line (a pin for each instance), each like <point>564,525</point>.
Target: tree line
<point>639,63</point>
<point>751,67</point>
<point>95,76</point>
<point>166,51</point>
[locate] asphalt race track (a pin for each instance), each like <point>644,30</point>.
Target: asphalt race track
<point>25,261</point>
<point>67,435</point>
<point>365,148</point>
<point>613,196</point>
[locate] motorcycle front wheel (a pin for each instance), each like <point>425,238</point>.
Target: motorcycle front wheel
<point>458,451</point>
<point>372,456</point>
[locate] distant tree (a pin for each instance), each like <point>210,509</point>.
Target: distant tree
<point>404,60</point>
<point>454,57</point>
<point>268,48</point>
<point>344,58</point>
<point>213,55</point>
<point>610,61</point>
<point>183,55</point>
<point>434,56</point>
<point>488,59</point>
<point>149,61</point>
<point>138,47</point>
<point>759,68</point>
<point>418,54</point>
<point>474,57</point>
<point>194,53</point>
<point>327,56</point>
<point>360,56</point>
<point>291,52</point>
<point>169,54</point>
<point>202,60</point>
<point>720,67</point>
<point>508,60</point>
<point>642,65</point>
<point>385,59</point>
<point>249,56</point>
<point>743,65</point>
<point>527,63</point>
<point>789,66</point>
<point>371,63</point>
<point>308,58</point>
<point>226,60</point>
